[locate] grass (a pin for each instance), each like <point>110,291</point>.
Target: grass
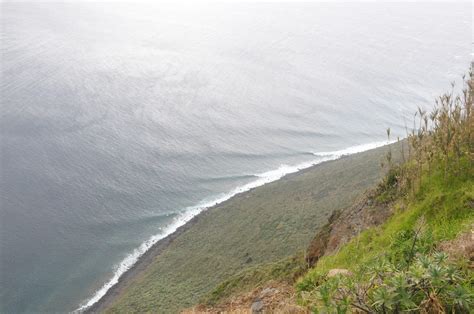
<point>446,207</point>
<point>282,271</point>
<point>396,266</point>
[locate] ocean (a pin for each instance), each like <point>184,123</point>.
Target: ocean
<point>119,122</point>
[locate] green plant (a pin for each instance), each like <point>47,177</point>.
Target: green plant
<point>395,267</point>
<point>443,137</point>
<point>431,283</point>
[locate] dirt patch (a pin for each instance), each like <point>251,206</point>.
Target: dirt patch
<point>273,297</point>
<point>462,247</point>
<point>343,226</point>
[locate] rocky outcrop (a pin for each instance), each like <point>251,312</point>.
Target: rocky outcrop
<point>344,225</point>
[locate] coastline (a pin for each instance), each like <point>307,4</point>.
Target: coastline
<point>148,257</point>
<point>143,261</point>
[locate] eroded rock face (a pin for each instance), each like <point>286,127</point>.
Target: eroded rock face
<point>343,226</point>
<point>273,297</point>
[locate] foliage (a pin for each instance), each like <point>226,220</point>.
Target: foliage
<point>442,138</point>
<point>429,283</point>
<point>443,211</point>
<point>395,266</point>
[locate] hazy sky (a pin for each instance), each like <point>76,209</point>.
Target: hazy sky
<point>201,1</point>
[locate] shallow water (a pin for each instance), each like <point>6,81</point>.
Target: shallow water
<point>117,119</point>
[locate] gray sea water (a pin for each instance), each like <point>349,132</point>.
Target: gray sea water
<point>117,119</point>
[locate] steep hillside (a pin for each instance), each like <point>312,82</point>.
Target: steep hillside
<point>440,218</point>
<point>266,224</point>
<point>422,258</point>
<point>405,245</point>
<point>442,212</point>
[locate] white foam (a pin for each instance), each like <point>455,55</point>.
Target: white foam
<point>353,149</point>
<point>190,212</point>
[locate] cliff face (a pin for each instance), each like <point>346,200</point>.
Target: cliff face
<point>407,245</point>
<point>371,212</point>
<point>344,225</point>
<point>278,294</point>
<point>238,292</point>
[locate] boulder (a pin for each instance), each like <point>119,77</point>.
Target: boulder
<point>257,306</point>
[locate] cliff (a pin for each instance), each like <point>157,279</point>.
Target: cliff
<point>407,244</point>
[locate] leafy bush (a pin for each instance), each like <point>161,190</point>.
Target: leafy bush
<point>443,137</point>
<point>430,284</point>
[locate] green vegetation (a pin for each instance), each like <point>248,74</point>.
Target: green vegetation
<point>429,284</point>
<point>445,209</point>
<point>397,267</point>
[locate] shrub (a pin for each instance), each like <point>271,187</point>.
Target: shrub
<point>430,284</point>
